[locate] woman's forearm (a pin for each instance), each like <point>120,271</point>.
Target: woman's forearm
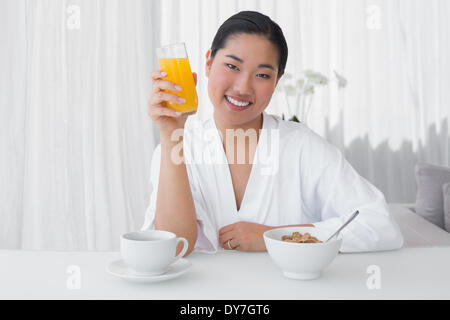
<point>175,210</point>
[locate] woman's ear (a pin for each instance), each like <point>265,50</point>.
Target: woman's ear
<point>208,63</point>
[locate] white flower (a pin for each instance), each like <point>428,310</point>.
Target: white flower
<point>300,84</point>
<point>342,82</point>
<point>308,73</point>
<point>290,90</point>
<point>308,89</point>
<point>315,77</point>
<point>300,88</point>
<point>281,86</point>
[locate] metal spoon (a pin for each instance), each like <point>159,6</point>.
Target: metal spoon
<point>344,225</point>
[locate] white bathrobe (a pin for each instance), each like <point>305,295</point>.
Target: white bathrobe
<point>297,177</point>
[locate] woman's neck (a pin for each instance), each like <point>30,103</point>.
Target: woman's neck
<point>240,131</point>
<point>255,124</point>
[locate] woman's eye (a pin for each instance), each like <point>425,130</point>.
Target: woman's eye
<point>260,75</point>
<point>229,65</point>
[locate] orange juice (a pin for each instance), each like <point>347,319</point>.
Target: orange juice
<point>179,71</point>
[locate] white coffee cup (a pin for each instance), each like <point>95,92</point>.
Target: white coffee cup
<point>150,252</point>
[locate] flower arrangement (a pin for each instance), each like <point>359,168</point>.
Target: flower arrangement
<point>301,89</point>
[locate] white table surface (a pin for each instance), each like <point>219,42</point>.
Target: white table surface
<point>408,273</point>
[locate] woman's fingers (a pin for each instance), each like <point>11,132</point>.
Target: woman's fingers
<point>159,85</point>
<point>163,112</point>
<point>233,243</point>
<point>161,96</point>
<point>156,105</point>
<point>225,236</point>
<point>158,74</point>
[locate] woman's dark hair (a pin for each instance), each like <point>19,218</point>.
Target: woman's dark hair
<point>252,22</point>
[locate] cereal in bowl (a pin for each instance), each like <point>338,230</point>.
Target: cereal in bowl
<point>299,238</point>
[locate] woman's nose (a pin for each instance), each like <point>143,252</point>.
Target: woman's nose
<point>243,85</point>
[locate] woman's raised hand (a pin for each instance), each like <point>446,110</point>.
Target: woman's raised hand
<point>165,118</point>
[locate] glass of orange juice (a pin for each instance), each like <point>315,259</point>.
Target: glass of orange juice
<point>173,59</point>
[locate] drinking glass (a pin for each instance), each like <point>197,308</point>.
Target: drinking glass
<point>173,59</point>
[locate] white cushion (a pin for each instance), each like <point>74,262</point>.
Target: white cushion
<point>429,200</point>
<point>446,196</point>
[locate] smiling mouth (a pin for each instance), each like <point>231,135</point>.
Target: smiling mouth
<point>236,104</point>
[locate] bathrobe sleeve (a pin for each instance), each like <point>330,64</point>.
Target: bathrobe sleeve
<point>334,190</point>
<point>206,236</point>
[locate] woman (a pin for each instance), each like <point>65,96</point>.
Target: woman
<point>230,202</point>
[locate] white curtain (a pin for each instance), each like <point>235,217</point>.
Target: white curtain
<point>12,116</point>
<point>76,141</point>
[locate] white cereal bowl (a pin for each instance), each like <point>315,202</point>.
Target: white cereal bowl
<point>302,261</point>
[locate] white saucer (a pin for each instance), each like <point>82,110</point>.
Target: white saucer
<point>119,269</point>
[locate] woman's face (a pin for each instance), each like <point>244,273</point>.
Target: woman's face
<point>242,78</point>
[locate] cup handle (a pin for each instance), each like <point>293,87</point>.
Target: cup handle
<point>185,247</point>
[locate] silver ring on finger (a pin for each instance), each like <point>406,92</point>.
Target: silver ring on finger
<point>229,244</point>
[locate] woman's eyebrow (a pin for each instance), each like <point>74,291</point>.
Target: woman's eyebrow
<point>263,65</point>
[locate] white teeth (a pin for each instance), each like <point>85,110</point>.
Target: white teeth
<point>237,103</point>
